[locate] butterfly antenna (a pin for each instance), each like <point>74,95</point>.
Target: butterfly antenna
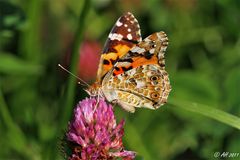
<point>81,81</point>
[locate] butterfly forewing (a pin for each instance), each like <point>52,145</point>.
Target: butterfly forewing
<point>124,35</point>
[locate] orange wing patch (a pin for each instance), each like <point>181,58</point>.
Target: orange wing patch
<point>122,67</point>
<point>110,58</point>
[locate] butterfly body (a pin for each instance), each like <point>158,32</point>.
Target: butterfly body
<point>131,70</point>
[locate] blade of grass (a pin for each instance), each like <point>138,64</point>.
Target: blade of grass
<point>208,111</point>
<point>15,136</point>
<point>29,40</point>
<point>5,114</point>
<point>67,110</point>
<point>68,101</point>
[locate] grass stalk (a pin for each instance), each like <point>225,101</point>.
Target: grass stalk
<point>207,111</point>
<point>67,110</point>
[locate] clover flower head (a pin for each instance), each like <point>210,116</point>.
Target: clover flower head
<point>94,134</point>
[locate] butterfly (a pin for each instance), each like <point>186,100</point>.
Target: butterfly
<point>132,71</point>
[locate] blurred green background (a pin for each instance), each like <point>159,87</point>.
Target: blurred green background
<point>37,98</point>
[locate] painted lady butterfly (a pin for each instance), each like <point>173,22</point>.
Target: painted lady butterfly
<point>131,70</point>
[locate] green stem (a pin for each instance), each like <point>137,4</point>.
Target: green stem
<point>69,100</point>
<point>74,61</point>
<point>29,42</point>
<point>208,111</point>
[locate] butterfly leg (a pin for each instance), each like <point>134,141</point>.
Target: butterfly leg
<point>96,105</point>
<point>115,101</point>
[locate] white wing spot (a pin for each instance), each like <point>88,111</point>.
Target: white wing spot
<point>141,50</point>
<point>135,49</point>
<point>140,84</point>
<point>115,36</point>
<point>152,50</point>
<point>129,30</point>
<point>129,36</point>
<point>132,72</point>
<point>138,50</point>
<point>119,23</point>
<point>125,25</point>
<point>124,64</point>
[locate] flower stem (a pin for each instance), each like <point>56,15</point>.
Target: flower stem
<point>208,111</point>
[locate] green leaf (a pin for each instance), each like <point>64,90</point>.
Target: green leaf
<point>11,65</point>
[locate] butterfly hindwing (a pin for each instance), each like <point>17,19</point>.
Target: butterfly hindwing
<point>124,35</point>
<point>145,86</point>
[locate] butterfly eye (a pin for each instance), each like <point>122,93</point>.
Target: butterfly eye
<point>155,95</point>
